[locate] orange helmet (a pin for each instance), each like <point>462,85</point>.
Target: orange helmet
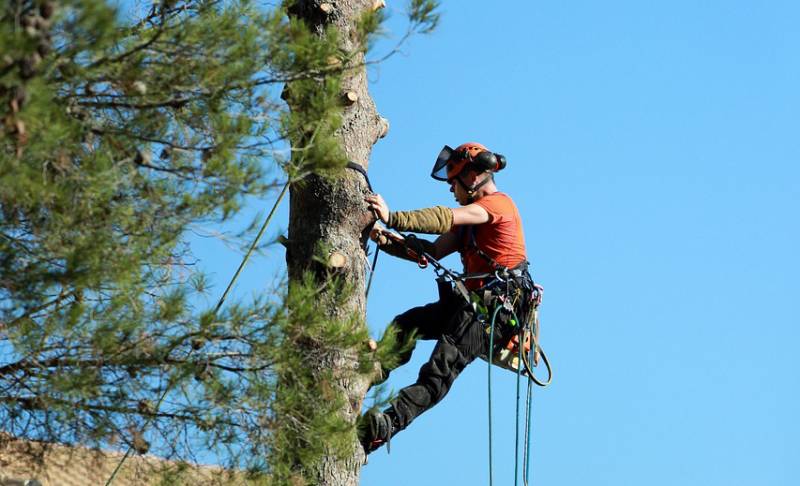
<point>451,162</point>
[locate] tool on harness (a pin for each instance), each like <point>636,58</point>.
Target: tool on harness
<point>523,359</point>
<point>514,304</point>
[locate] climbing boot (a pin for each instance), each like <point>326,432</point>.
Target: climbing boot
<point>375,429</point>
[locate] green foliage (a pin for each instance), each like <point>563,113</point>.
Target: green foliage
<point>308,398</point>
<point>313,93</point>
<point>423,16</point>
<point>391,347</point>
<point>368,28</point>
<point>118,136</point>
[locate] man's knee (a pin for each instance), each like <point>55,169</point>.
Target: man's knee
<point>441,370</point>
<point>408,320</point>
<point>427,322</point>
<point>395,346</point>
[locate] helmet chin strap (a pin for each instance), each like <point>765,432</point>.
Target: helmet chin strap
<point>471,190</point>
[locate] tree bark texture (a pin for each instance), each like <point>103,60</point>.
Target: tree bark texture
<point>332,212</point>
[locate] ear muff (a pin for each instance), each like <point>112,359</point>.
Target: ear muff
<point>485,161</point>
<point>501,162</point>
<point>488,161</point>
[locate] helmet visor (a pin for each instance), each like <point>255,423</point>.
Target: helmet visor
<point>439,171</point>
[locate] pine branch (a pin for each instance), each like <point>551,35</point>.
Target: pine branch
<point>142,410</point>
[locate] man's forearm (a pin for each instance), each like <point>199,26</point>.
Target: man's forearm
<point>400,249</point>
<point>436,220</point>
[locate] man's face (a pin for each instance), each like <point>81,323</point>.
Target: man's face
<point>468,178</point>
<point>457,190</point>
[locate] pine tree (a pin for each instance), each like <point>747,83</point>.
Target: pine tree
<point>116,136</point>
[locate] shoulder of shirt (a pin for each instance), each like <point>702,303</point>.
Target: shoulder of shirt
<point>496,196</point>
<point>497,204</point>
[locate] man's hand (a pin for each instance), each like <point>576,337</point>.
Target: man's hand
<point>377,204</point>
<point>418,247</point>
<point>383,236</point>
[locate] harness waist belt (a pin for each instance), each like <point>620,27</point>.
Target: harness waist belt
<point>519,271</point>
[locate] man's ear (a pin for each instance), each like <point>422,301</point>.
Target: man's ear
<point>477,177</point>
<point>470,177</point>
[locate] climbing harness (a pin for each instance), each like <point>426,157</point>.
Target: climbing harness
<point>216,309</point>
<point>504,357</point>
<point>515,356</point>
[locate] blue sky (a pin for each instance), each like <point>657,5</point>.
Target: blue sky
<point>653,151</point>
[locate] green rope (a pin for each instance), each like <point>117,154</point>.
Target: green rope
<point>526,450</point>
<point>526,466</point>
<point>516,422</point>
<point>216,309</point>
<point>489,389</point>
<point>252,246</point>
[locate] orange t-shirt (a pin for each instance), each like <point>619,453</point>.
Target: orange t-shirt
<point>501,238</point>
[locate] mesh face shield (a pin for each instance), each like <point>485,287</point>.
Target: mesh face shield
<point>439,171</point>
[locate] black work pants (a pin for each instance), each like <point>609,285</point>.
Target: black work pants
<point>460,337</point>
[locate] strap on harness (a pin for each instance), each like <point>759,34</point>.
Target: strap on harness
<point>472,244</point>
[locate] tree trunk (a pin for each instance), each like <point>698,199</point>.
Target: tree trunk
<point>332,213</point>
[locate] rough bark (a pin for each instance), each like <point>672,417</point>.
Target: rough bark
<point>332,212</point>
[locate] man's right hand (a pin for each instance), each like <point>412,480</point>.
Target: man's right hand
<point>379,206</point>
<point>382,236</point>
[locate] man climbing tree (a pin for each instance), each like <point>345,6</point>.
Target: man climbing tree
<point>487,231</point>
